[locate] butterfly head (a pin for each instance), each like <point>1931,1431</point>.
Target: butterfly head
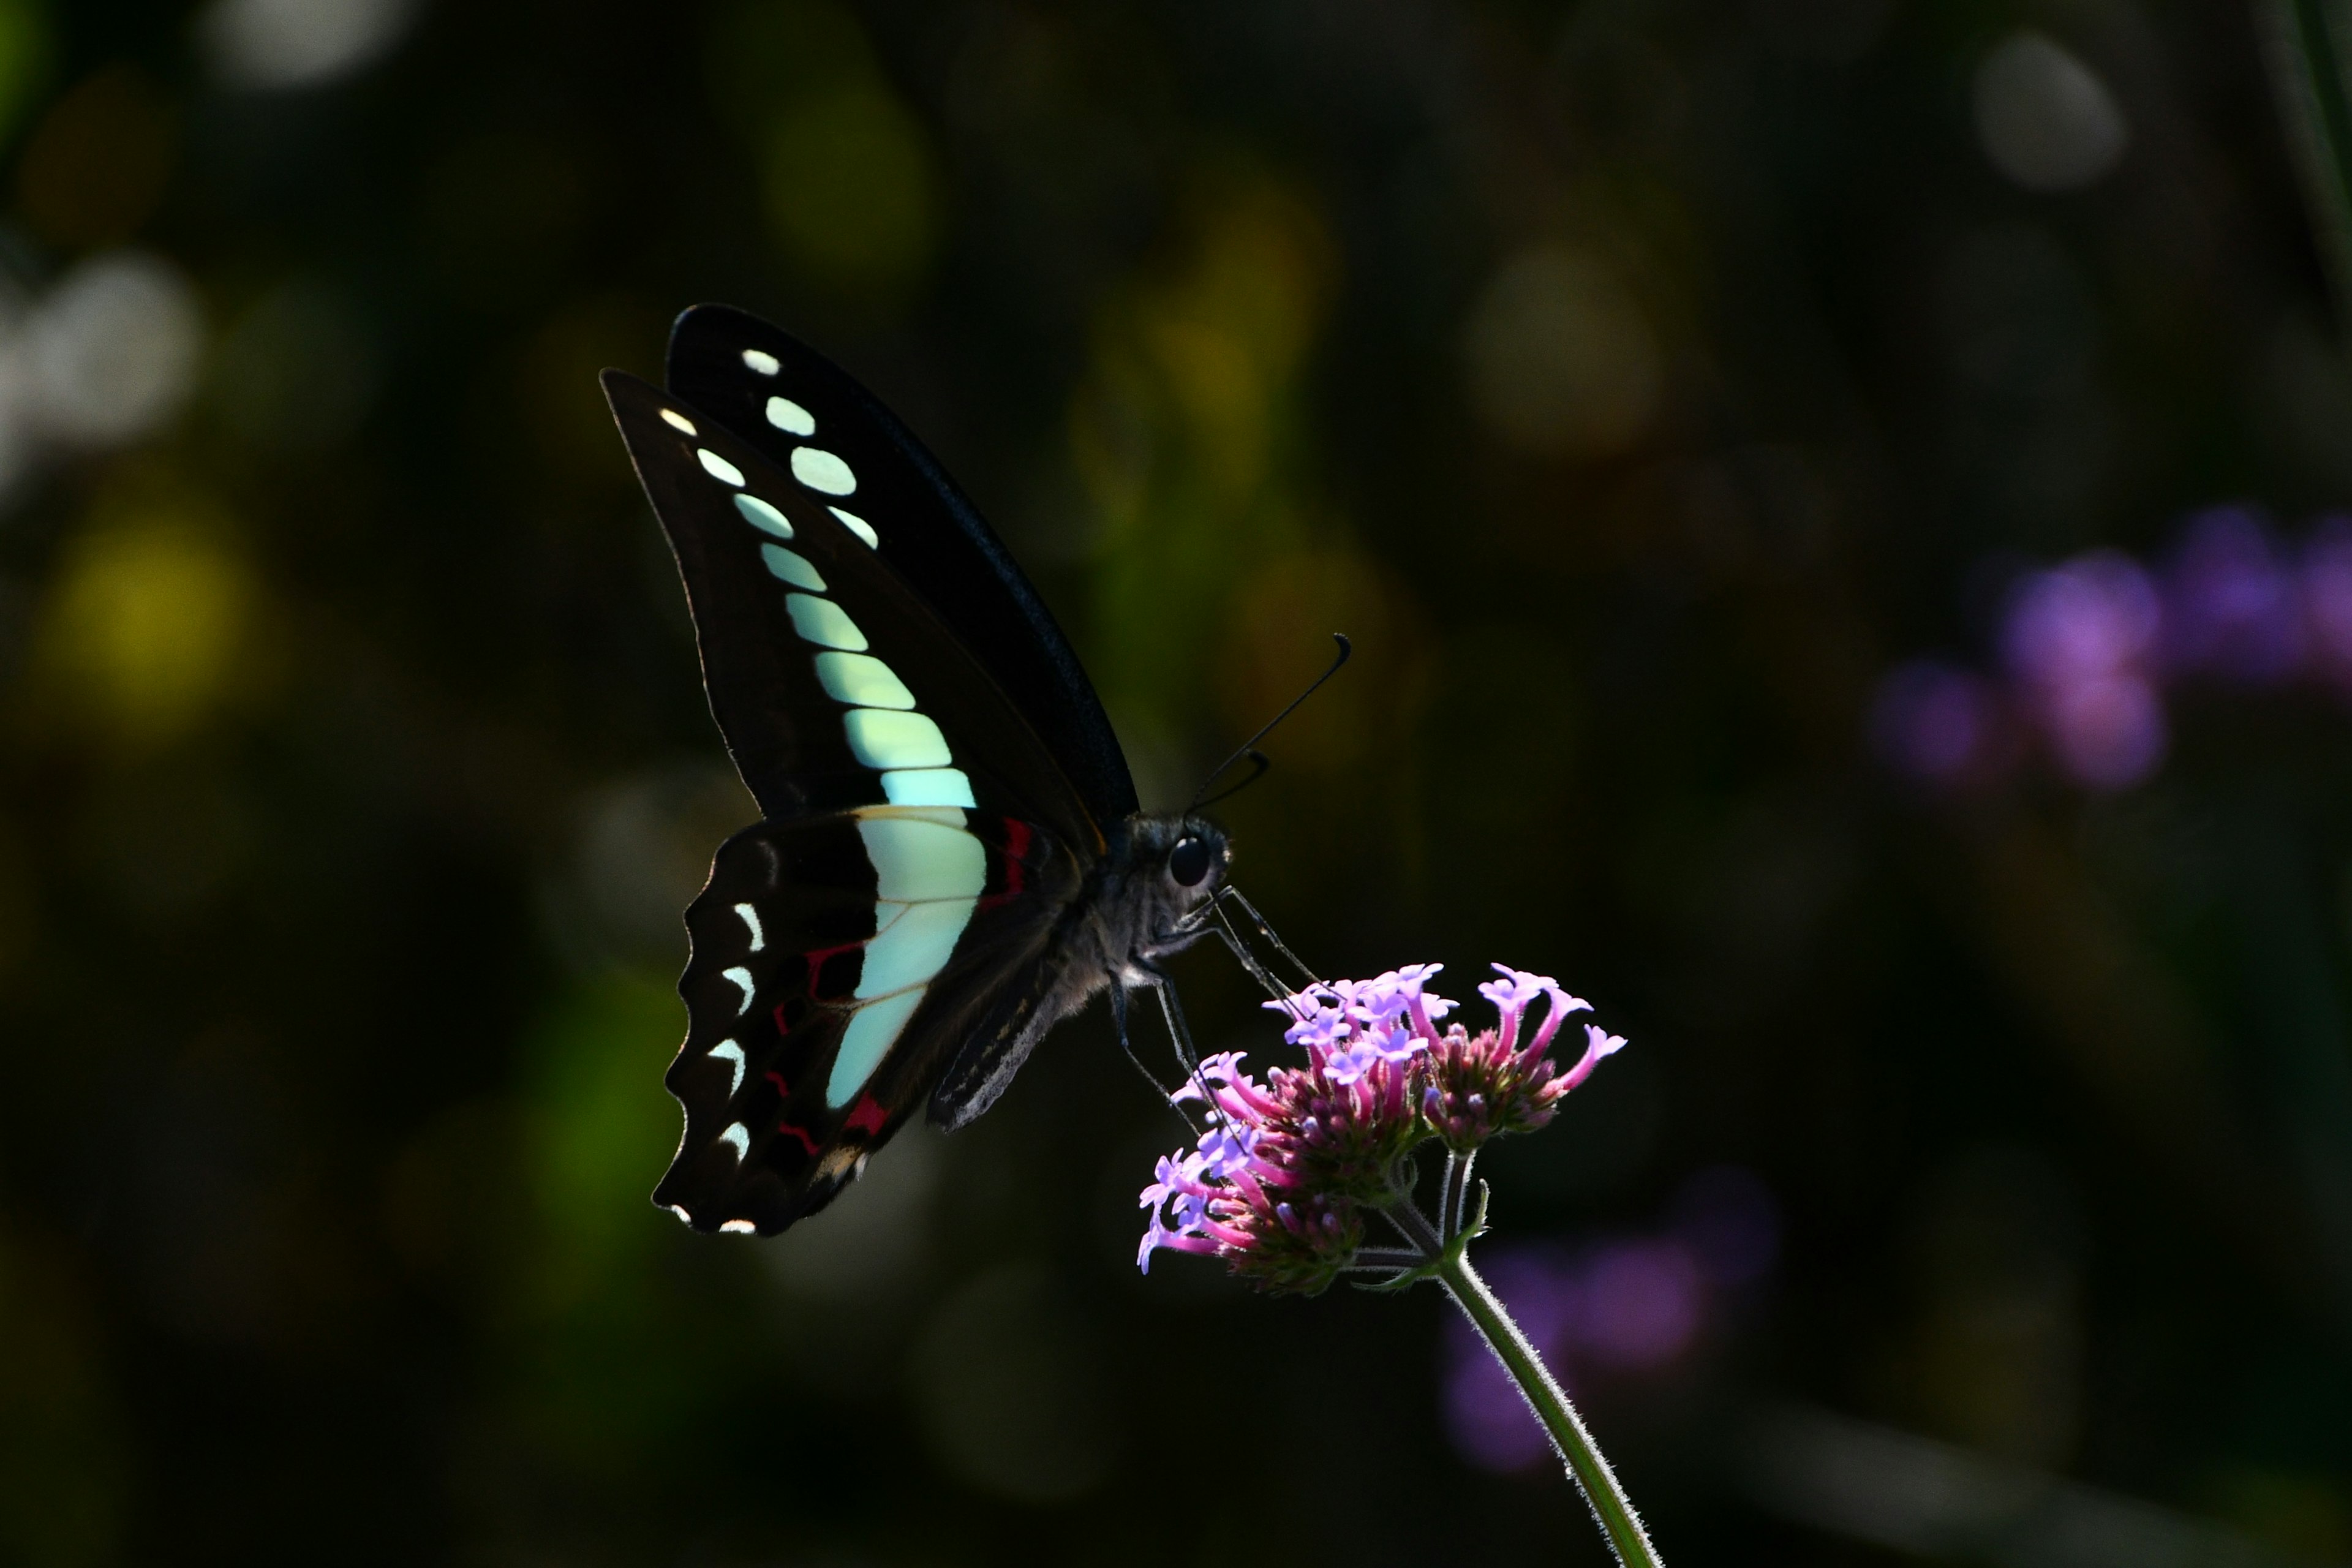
<point>1189,853</point>
<point>1171,866</point>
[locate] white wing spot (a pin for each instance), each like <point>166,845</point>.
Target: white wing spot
<point>679,1210</point>
<point>862,680</point>
<point>791,417</point>
<point>761,361</point>
<point>732,1054</point>
<point>742,977</point>
<point>858,526</point>
<point>718,467</point>
<point>676,421</point>
<point>882,738</point>
<point>824,623</point>
<point>791,566</point>
<point>750,919</point>
<point>821,470</point>
<point>927,786</point>
<point>741,1227</point>
<point>737,1138</point>
<point>760,515</point>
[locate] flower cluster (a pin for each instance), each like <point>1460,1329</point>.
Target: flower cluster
<point>1278,1183</point>
<point>1502,1081</point>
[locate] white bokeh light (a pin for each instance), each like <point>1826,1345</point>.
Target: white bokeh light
<point>283,44</point>
<point>2044,118</point>
<point>109,353</point>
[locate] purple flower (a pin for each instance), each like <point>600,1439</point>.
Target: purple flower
<point>1278,1182</point>
<point>1501,1081</point>
<point>2080,641</point>
<point>1941,726</point>
<point>2327,582</point>
<point>2230,607</point>
<point>1641,1303</point>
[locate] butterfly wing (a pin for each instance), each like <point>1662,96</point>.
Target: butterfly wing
<point>922,840</point>
<point>784,398</point>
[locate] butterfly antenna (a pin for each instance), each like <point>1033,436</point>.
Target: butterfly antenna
<point>1261,763</point>
<point>1249,748</point>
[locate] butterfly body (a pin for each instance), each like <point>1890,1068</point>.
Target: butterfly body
<point>952,859</point>
<point>1132,913</point>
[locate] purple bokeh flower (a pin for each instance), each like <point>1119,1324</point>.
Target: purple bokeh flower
<point>2080,641</point>
<point>2326,578</point>
<point>2231,606</point>
<point>1276,1183</point>
<point>1628,1306</point>
<point>1484,1414</point>
<point>1940,725</point>
<point>2087,648</point>
<point>1641,1303</point>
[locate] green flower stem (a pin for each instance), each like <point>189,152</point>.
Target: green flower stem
<point>1449,1263</point>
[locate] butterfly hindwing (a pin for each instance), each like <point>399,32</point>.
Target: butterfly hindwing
<point>839,962</point>
<point>804,413</point>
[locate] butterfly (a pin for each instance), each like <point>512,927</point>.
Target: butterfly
<point>951,858</point>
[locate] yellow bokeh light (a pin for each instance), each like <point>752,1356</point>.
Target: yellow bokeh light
<point>851,191</point>
<point>146,630</point>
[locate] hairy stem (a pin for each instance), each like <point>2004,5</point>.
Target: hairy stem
<point>1612,1510</point>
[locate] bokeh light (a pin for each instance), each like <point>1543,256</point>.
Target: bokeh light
<point>2045,118</point>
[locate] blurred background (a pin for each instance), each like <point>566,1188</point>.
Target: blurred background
<point>1833,502</point>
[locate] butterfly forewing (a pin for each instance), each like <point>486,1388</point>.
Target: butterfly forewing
<point>835,682</point>
<point>799,409</point>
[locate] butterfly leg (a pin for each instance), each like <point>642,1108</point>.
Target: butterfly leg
<point>1118,1023</point>
<point>1179,1035</point>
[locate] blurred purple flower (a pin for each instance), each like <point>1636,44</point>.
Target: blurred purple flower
<point>1640,1303</point>
<point>1485,1415</point>
<point>1632,1305</point>
<point>2327,580</point>
<point>2230,605</point>
<point>1937,724</point>
<point>2080,641</point>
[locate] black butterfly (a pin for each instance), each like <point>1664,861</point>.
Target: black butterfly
<point>953,859</point>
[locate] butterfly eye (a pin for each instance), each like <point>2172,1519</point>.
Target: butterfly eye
<point>1189,861</point>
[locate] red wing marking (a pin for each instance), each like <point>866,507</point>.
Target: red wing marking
<point>819,957</point>
<point>802,1133</point>
<point>1017,834</point>
<point>781,1027</point>
<point>783,1092</point>
<point>866,1116</point>
<point>1016,849</point>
